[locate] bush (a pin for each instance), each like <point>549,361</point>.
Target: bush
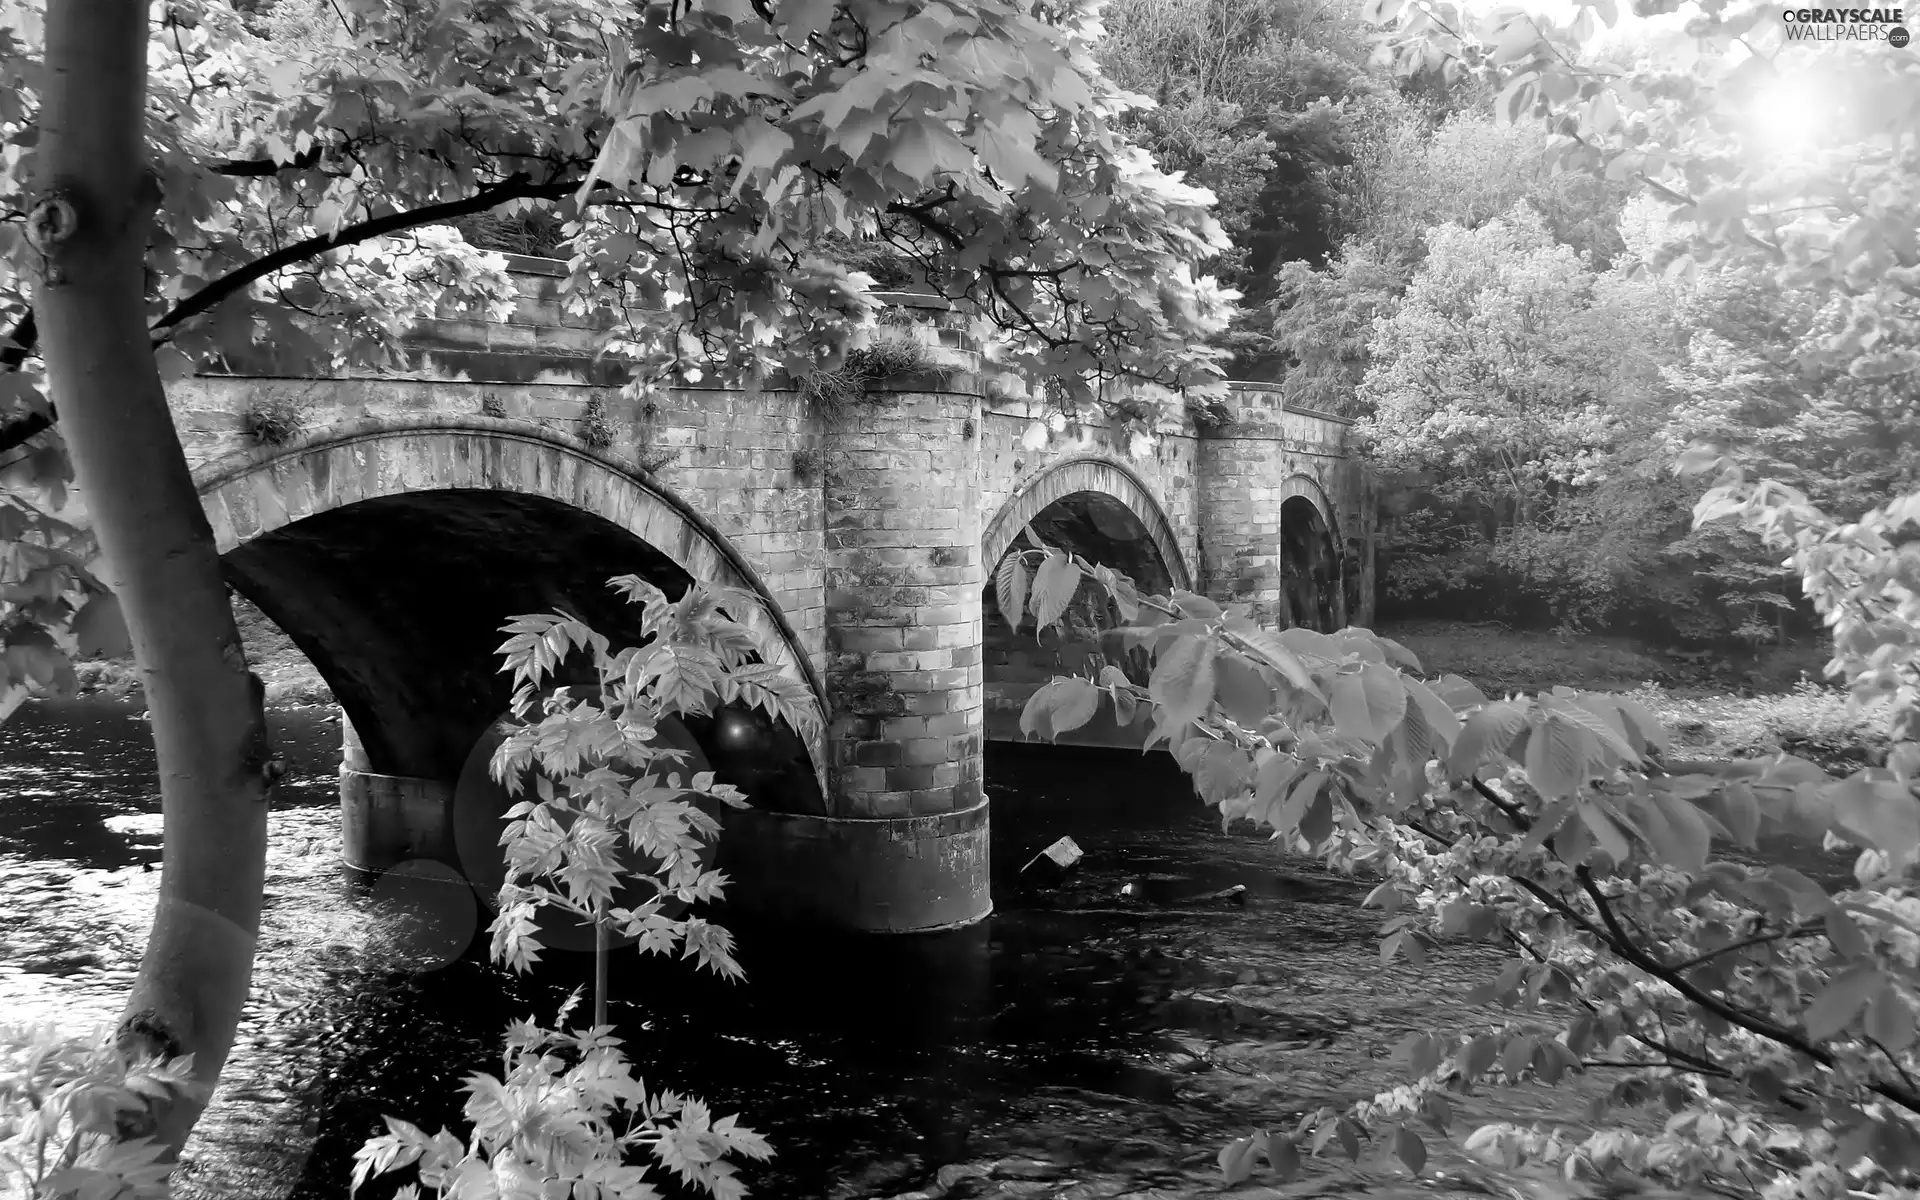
<point>1775,1018</point>
<point>275,420</point>
<point>809,462</point>
<point>561,1118</point>
<point>597,427</point>
<point>839,390</point>
<point>887,266</point>
<point>1818,723</point>
<point>531,232</point>
<point>653,459</point>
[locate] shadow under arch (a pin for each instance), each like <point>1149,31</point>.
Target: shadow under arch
<point>392,554</point>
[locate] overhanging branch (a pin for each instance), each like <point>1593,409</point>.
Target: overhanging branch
<point>258,168</point>
<point>1615,939</point>
<point>516,187</point>
<point>26,334</point>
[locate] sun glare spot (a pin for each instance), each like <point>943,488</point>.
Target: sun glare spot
<point>1789,112</point>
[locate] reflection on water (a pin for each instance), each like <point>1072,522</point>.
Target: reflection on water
<point>871,1062</point>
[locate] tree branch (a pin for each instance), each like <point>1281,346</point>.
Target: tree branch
<point>1513,811</point>
<point>257,168</point>
<point>25,334</point>
<point>1713,1072</point>
<point>1758,940</point>
<point>516,187</point>
<point>1617,941</point>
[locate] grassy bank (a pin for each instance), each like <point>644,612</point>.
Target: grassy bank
<point>1713,708</point>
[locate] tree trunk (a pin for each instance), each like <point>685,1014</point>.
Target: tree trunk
<point>90,220</point>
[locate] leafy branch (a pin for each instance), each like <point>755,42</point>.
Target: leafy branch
<point>1337,744</point>
<point>606,807</point>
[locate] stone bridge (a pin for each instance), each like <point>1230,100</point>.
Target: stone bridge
<point>395,522</point>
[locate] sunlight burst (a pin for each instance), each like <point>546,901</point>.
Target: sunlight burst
<point>1789,111</point>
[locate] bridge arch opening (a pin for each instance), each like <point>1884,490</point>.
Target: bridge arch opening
<point>1100,512</point>
<point>392,559</point>
<point>1310,567</point>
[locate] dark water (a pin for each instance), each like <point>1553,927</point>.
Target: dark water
<point>1077,1029</point>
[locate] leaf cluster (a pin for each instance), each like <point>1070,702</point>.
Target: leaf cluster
<point>71,1111</point>
<point>561,1119</point>
<point>604,794</point>
<point>1776,1017</point>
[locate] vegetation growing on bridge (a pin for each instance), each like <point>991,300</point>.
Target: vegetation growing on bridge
<point>837,391</point>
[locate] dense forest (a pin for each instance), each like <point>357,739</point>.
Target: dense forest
<point>1525,347</point>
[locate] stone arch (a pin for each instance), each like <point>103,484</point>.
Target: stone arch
<point>450,490</point>
<point>1312,569</point>
<point>1307,488</point>
<point>1095,473</point>
<point>1084,502</point>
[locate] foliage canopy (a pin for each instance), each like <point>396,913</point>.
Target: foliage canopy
<point>308,158</point>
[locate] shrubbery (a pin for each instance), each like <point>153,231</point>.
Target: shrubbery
<point>1776,1019</point>
<point>612,834</point>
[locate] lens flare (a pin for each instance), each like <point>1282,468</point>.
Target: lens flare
<point>1789,112</point>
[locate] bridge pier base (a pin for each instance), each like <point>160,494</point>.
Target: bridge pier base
<point>905,847</point>
<point>390,819</point>
<point>875,875</point>
<point>386,820</point>
<point>906,874</point>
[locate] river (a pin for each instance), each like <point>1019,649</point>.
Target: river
<point>1091,1040</point>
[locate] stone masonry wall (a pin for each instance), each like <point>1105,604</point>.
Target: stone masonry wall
<point>1007,467</point>
<point>734,451</point>
<point>1248,471</point>
<point>903,595</point>
<point>866,533</point>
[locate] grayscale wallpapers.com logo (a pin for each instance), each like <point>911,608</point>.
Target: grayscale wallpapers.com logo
<point>1847,25</point>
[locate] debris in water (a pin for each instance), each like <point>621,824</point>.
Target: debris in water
<point>1052,864</point>
<point>1237,894</point>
